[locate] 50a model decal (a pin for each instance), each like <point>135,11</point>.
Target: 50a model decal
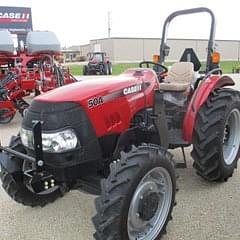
<point>96,101</point>
<point>93,102</point>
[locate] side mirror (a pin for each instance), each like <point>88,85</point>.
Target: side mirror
<point>166,50</point>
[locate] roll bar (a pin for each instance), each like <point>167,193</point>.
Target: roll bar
<point>163,46</point>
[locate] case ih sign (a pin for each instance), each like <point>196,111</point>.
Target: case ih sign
<point>16,19</point>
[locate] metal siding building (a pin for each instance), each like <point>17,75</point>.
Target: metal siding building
<point>138,49</point>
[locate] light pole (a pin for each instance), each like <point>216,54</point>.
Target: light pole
<point>109,24</point>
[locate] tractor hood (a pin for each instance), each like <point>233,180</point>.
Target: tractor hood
<point>86,90</point>
<point>109,102</point>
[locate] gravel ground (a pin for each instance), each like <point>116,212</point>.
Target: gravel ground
<point>204,210</point>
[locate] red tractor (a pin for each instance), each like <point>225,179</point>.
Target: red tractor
<point>32,68</point>
<point>111,138</point>
<point>98,63</point>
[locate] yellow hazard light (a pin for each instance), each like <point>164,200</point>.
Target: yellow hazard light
<point>215,57</point>
<point>156,58</point>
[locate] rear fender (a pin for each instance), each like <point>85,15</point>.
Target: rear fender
<point>199,98</point>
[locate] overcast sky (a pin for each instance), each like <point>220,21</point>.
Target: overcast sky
<point>76,22</point>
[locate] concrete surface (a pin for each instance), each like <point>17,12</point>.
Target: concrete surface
<point>204,211</point>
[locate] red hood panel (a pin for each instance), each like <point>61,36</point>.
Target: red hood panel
<point>112,102</point>
<point>83,90</point>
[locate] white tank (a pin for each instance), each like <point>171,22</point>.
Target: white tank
<point>6,42</point>
<point>42,42</point>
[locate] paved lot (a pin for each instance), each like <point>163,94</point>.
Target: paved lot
<point>204,211</point>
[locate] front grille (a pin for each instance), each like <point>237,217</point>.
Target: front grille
<point>57,116</point>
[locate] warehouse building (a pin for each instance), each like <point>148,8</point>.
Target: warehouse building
<point>138,49</point>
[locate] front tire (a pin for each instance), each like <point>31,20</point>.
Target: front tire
<point>18,191</point>
<point>216,136</point>
<point>137,197</point>
<point>85,70</point>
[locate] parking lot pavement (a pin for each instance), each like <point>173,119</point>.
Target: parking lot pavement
<point>204,211</point>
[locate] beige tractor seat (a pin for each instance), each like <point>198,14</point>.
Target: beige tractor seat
<point>179,77</point>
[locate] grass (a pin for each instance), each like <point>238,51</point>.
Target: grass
<point>117,68</point>
<point>75,69</point>
<point>227,66</point>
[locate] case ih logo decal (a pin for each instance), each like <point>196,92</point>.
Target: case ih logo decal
<point>14,17</point>
<point>96,101</point>
<point>132,89</point>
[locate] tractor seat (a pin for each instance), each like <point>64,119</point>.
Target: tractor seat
<point>179,78</point>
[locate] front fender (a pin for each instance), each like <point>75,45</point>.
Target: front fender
<point>199,98</point>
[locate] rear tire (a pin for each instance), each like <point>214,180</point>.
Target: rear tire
<point>110,68</point>
<point>85,70</point>
<point>106,69</point>
<point>216,136</point>
<point>119,200</point>
<point>18,191</point>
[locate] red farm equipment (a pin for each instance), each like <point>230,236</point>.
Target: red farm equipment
<point>111,137</point>
<point>98,64</point>
<point>31,69</point>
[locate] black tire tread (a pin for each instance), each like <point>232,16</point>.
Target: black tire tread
<point>115,188</point>
<point>19,192</point>
<point>207,135</point>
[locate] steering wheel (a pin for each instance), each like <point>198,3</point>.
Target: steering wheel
<point>160,69</point>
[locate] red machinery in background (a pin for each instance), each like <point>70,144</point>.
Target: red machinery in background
<point>32,68</point>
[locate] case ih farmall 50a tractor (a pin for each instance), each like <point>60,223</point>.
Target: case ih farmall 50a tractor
<point>98,63</point>
<point>111,137</point>
<point>32,68</point>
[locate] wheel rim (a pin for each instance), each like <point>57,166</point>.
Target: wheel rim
<point>3,119</point>
<point>154,188</point>
<point>231,140</point>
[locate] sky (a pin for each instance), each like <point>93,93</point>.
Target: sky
<point>77,22</point>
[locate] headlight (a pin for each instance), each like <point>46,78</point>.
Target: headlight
<point>27,138</point>
<point>51,142</point>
